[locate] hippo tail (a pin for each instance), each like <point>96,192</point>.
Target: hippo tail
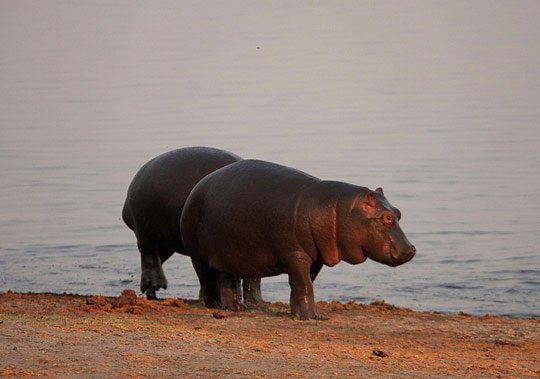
<point>127,216</point>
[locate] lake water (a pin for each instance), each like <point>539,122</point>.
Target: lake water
<point>437,102</point>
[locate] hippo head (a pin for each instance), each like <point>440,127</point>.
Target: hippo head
<point>373,231</point>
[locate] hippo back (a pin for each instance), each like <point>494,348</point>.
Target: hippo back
<point>158,192</point>
<point>244,212</point>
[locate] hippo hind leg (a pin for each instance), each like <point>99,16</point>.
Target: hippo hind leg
<point>152,275</point>
<point>209,281</point>
<point>229,292</point>
<point>252,290</point>
<point>218,289</point>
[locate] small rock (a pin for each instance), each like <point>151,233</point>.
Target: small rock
<point>379,353</point>
<point>219,315</point>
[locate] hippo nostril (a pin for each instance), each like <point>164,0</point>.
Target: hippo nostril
<point>412,250</point>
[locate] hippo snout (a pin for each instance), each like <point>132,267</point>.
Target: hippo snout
<point>403,256</point>
<point>411,253</point>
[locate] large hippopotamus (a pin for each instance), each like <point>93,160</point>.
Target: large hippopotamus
<point>256,219</point>
<point>155,201</point>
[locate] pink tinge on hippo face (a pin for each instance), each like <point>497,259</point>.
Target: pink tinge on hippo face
<point>387,243</point>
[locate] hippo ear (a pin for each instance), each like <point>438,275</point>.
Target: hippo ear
<point>369,205</point>
<point>379,190</point>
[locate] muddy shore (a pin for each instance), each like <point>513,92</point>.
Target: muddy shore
<point>50,335</point>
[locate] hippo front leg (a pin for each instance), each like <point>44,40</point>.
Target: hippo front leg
<point>302,298</point>
<point>315,269</point>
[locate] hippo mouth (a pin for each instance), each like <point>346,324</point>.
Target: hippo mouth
<point>402,256</point>
<point>389,254</point>
<point>361,256</point>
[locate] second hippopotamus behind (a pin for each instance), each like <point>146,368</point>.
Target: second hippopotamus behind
<point>153,206</point>
<point>256,219</point>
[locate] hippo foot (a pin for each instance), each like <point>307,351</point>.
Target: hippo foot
<point>233,306</point>
<point>150,294</point>
<point>252,291</point>
<point>304,310</point>
<point>149,286</point>
<point>229,299</point>
<point>253,299</point>
<point>225,304</point>
<point>316,316</point>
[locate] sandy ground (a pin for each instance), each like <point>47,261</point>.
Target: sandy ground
<point>80,336</point>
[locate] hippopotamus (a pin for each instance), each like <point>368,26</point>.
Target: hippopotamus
<point>154,203</point>
<point>256,219</point>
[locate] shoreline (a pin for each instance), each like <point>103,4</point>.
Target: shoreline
<point>435,312</point>
<point>526,316</point>
<point>43,334</point>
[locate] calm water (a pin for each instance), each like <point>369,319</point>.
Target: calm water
<point>437,102</point>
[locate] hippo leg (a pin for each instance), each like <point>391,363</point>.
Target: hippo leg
<point>315,269</point>
<point>302,298</point>
<point>152,276</point>
<point>252,290</point>
<point>209,281</point>
<point>164,254</point>
<point>229,293</point>
<point>238,290</point>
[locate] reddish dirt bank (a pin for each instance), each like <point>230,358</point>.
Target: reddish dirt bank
<point>79,336</point>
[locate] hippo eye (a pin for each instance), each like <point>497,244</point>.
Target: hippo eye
<point>388,218</point>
